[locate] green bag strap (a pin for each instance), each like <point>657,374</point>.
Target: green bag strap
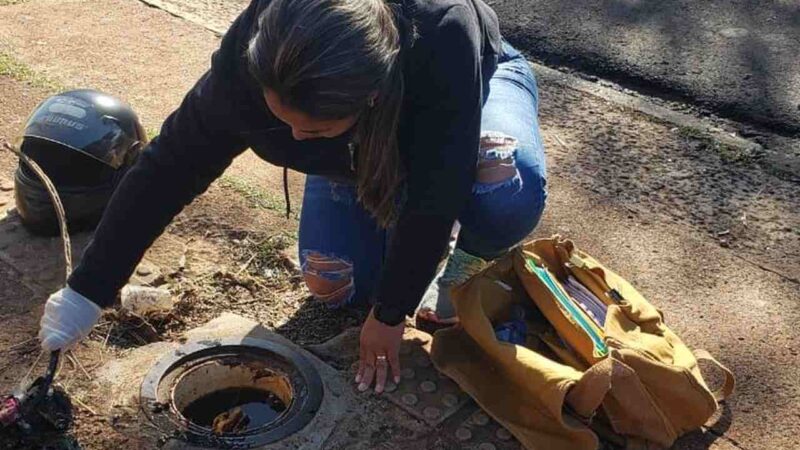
<point>730,382</point>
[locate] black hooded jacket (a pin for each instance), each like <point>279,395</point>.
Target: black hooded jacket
<point>446,75</point>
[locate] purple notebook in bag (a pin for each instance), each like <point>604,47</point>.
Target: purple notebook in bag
<point>589,302</point>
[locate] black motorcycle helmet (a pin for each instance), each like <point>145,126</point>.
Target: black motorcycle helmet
<point>84,141</point>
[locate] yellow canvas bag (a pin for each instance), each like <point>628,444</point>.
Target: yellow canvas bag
<point>632,381</point>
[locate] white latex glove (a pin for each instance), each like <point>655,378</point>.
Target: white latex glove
<point>68,318</point>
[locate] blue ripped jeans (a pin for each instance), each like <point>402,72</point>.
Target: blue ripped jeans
<point>341,246</point>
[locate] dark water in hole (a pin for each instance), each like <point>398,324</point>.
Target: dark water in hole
<point>261,407</point>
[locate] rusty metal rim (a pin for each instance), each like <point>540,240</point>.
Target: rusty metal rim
<point>304,407</point>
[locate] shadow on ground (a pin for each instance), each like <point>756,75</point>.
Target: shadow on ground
<point>38,259</point>
<point>314,322</point>
<point>738,58</point>
<point>709,438</point>
<point>656,172</point>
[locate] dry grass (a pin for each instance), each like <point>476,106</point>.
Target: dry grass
<point>255,196</point>
<point>12,67</point>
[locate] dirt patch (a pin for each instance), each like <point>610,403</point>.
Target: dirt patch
<point>254,274</point>
<point>18,344</point>
<point>151,65</point>
<point>255,173</point>
<point>19,99</point>
<point>15,297</point>
<point>658,172</point>
<point>13,68</point>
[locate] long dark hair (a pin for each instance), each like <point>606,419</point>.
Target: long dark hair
<point>329,59</point>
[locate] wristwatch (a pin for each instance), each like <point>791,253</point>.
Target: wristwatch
<point>388,314</point>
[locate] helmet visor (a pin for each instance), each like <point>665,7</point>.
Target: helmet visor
<point>77,124</point>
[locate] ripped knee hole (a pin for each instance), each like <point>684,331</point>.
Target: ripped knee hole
<point>496,158</point>
<point>328,278</point>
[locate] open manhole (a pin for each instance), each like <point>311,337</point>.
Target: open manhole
<point>235,393</point>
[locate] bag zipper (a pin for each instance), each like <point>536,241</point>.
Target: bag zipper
<point>578,267</point>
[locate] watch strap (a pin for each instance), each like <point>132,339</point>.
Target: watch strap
<point>388,314</point>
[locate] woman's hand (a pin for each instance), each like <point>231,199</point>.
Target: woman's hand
<point>68,318</point>
<point>379,353</point>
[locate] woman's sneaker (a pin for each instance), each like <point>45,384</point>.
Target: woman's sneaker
<point>436,305</point>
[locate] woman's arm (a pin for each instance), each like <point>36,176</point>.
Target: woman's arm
<point>441,159</point>
<point>197,142</point>
<point>192,151</point>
